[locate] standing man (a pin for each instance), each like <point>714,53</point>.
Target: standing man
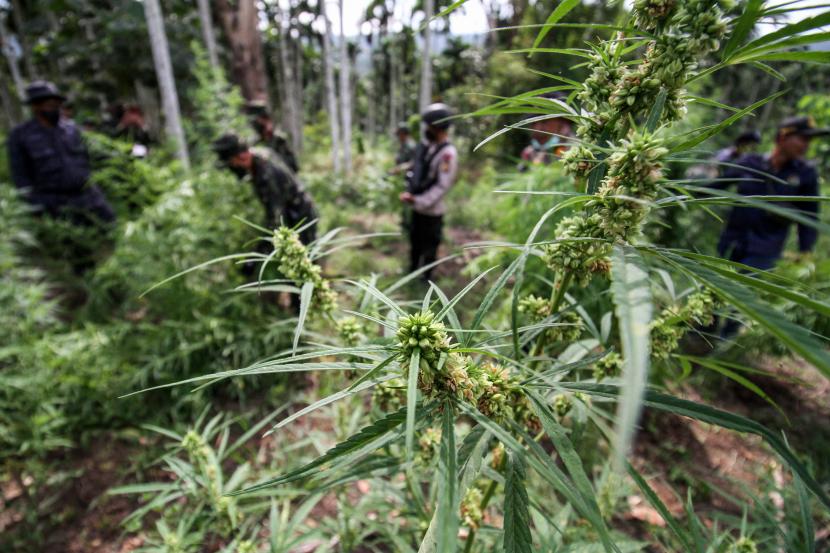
<point>281,194</point>
<point>269,135</point>
<point>434,171</point>
<point>754,236</point>
<point>548,137</point>
<point>50,164</point>
<point>406,149</point>
<point>746,143</point>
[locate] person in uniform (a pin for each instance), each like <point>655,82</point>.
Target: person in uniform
<point>406,149</point>
<point>434,171</point>
<point>50,165</point>
<point>754,236</point>
<point>281,193</point>
<point>548,138</point>
<point>746,143</point>
<point>269,135</point>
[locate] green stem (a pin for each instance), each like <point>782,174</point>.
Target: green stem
<point>556,294</point>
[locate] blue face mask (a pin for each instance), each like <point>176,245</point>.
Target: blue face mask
<point>549,145</point>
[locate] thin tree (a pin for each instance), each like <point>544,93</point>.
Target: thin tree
<point>425,97</point>
<point>17,14</point>
<point>164,74</point>
<point>331,90</point>
<point>345,95</point>
<point>6,43</point>
<point>289,98</point>
<point>207,32</point>
<point>241,25</point>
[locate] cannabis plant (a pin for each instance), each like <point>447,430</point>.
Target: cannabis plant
<point>485,415</point>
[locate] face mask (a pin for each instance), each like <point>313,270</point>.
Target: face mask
<point>552,141</point>
<point>429,134</point>
<point>51,115</point>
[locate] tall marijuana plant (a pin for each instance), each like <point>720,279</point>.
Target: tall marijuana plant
<point>524,388</point>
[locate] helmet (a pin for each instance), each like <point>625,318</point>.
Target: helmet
<point>437,115</point>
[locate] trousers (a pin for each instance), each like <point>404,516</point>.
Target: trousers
<point>424,239</point>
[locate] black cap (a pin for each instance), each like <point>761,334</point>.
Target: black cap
<point>437,115</point>
<point>403,127</point>
<point>804,126</point>
<point>38,91</point>
<point>227,146</point>
<point>749,137</point>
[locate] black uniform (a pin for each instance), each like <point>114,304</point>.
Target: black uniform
<point>755,236</point>
<point>282,196</point>
<point>50,165</point>
<point>279,144</point>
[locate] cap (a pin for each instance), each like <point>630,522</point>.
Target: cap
<point>227,146</point>
<point>751,135</point>
<point>437,115</point>
<point>256,108</point>
<point>804,126</point>
<point>42,90</point>
<point>403,127</point>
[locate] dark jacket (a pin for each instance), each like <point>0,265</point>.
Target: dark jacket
<point>50,165</point>
<point>752,231</point>
<point>279,143</point>
<point>282,195</point>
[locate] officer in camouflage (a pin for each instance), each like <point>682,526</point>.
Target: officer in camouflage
<point>269,135</point>
<point>406,149</point>
<point>281,193</point>
<point>434,171</point>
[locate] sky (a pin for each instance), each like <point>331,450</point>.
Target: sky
<point>471,18</point>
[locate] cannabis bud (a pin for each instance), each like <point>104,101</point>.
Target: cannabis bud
<point>296,265</point>
<point>471,512</point>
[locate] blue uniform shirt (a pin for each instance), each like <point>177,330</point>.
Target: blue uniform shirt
<point>50,165</point>
<point>756,234</point>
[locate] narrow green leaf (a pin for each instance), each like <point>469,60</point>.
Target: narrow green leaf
<point>631,292</point>
<point>367,435</point>
<point>743,25</point>
<point>490,297</point>
<point>411,401</point>
<point>516,516</point>
<point>656,110</point>
<point>561,11</point>
<point>657,503</point>
<point>711,415</point>
<point>448,499</point>
<point>305,302</point>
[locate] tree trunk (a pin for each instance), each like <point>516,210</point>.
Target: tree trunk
<point>17,13</point>
<point>207,33</point>
<point>345,96</point>
<point>331,92</point>
<point>248,65</point>
<point>13,67</point>
<point>297,92</point>
<point>425,97</point>
<point>164,74</point>
<point>288,96</point>
<point>11,105</point>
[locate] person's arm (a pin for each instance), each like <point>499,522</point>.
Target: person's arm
<point>447,172</point>
<point>18,163</point>
<point>273,202</point>
<point>807,235</point>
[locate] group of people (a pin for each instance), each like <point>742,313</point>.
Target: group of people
<point>50,165</point>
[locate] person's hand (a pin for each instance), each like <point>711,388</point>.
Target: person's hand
<point>407,198</point>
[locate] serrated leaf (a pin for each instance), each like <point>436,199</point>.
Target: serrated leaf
<point>517,537</point>
<point>305,303</point>
<point>411,400</point>
<point>561,11</point>
<point>448,499</point>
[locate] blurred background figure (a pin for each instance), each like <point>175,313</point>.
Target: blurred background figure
<point>50,165</point>
<point>548,137</point>
<point>434,171</point>
<point>746,143</point>
<point>269,135</point>
<point>755,236</point>
<point>132,128</point>
<point>281,194</point>
<point>406,149</point>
